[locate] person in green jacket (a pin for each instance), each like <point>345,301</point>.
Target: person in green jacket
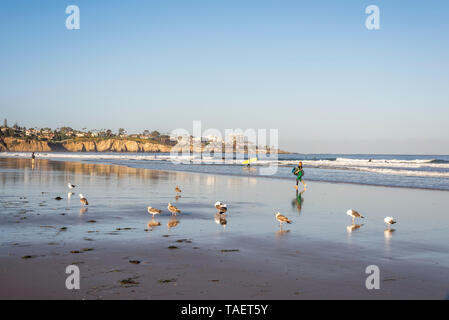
<point>299,173</point>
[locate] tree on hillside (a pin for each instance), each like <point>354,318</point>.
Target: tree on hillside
<point>121,131</point>
<point>155,134</point>
<point>5,123</point>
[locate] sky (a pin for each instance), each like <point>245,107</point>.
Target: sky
<point>310,69</point>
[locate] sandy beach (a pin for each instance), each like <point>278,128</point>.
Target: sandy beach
<point>319,256</point>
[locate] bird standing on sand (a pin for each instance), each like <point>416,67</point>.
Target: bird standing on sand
<point>153,211</point>
<point>389,221</point>
<point>354,214</point>
<point>83,200</point>
<point>177,189</point>
<point>221,207</point>
<point>281,218</point>
<point>173,209</point>
<point>71,186</point>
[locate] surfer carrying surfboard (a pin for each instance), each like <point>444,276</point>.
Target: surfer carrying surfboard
<point>299,173</point>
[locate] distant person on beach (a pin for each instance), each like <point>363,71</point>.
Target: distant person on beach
<point>33,157</point>
<point>299,173</point>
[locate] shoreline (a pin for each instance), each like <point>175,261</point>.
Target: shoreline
<point>234,175</point>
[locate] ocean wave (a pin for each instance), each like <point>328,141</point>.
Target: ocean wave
<point>421,167</point>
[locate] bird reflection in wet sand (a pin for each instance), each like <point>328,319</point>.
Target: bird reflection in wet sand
<point>250,169</point>
<point>281,232</point>
<point>153,223</point>
<point>83,210</point>
<point>353,227</point>
<point>172,222</point>
<point>220,218</point>
<point>70,194</point>
<point>388,233</point>
<point>177,197</point>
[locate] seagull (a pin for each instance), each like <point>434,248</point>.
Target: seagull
<point>83,200</point>
<point>71,186</point>
<point>221,207</point>
<point>177,189</point>
<point>173,209</point>
<point>354,214</point>
<point>70,194</point>
<point>281,218</point>
<point>389,221</point>
<point>153,211</point>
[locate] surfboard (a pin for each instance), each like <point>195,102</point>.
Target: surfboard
<point>249,161</point>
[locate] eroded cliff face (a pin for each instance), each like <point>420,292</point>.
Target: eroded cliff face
<point>13,144</point>
<point>109,145</point>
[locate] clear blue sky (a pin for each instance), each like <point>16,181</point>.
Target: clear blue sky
<point>309,68</point>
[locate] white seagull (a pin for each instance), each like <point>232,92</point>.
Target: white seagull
<point>281,218</point>
<point>389,221</point>
<point>71,186</point>
<point>153,211</point>
<point>83,200</point>
<point>173,209</point>
<point>354,214</point>
<point>221,207</point>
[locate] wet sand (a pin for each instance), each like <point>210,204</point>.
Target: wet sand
<point>319,256</point>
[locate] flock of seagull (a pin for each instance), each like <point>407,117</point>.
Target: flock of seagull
<point>220,217</point>
<point>354,214</point>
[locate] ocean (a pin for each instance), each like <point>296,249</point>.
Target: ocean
<point>411,171</point>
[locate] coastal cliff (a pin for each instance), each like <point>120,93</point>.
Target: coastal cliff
<point>107,145</point>
<point>100,145</point>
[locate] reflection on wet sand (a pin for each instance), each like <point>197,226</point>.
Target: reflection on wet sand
<point>281,232</point>
<point>72,169</point>
<point>250,169</point>
<point>353,227</point>
<point>388,233</point>
<point>298,201</point>
<point>152,224</point>
<point>83,210</point>
<point>220,218</point>
<point>172,222</point>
